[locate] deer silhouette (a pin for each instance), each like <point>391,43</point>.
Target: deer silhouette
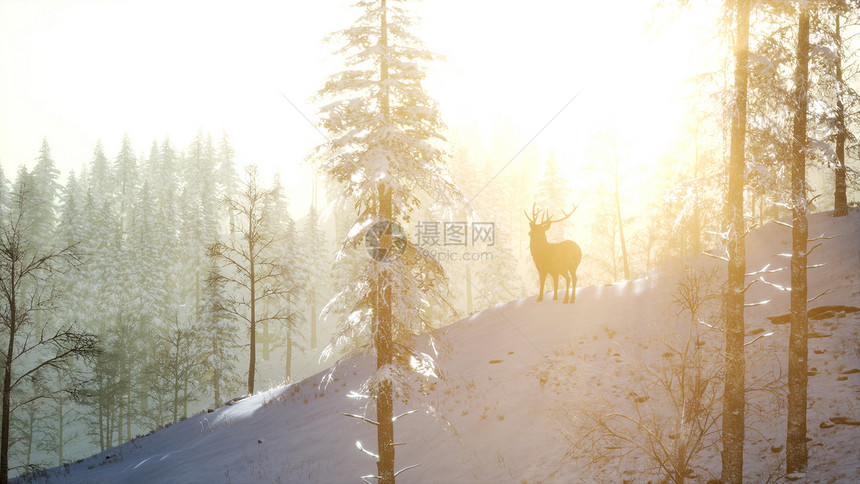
<point>556,259</point>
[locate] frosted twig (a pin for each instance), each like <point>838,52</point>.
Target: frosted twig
<point>765,270</point>
<point>714,256</point>
<point>758,338</point>
<point>774,285</point>
<point>372,422</point>
<point>410,412</point>
<point>749,285</point>
<point>824,236</point>
<point>813,248</point>
<point>358,445</point>
<point>405,469</point>
<point>827,291</point>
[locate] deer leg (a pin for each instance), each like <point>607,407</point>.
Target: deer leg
<point>566,286</point>
<point>555,287</point>
<point>542,280</point>
<point>573,286</point>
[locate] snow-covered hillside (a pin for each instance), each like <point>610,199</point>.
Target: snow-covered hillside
<point>519,378</point>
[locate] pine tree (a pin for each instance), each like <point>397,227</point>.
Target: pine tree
<point>315,266</point>
<point>163,182</point>
<point>833,22</point>
<point>218,338</point>
<point>100,176</point>
<point>69,229</point>
<point>126,179</point>
<point>44,195</point>
<point>840,197</point>
<point>4,193</point>
<point>384,151</point>
<point>227,178</point>
<point>199,211</point>
<point>281,306</point>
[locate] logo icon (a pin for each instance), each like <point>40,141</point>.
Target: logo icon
<point>385,241</point>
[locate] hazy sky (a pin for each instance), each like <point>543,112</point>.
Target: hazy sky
<point>75,71</point>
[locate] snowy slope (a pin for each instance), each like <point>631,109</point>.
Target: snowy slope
<point>516,377</point>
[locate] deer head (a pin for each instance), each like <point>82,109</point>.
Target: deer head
<point>541,221</point>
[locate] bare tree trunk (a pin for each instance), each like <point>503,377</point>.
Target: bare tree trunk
<point>60,432</point>
<point>185,379</point>
<point>31,431</point>
<point>734,401</point>
<point>119,409</point>
<point>101,415</point>
<point>253,303</point>
<point>289,355</point>
<point>175,398</point>
<point>840,198</point>
<point>795,449</point>
<point>109,428</point>
<point>216,378</point>
<point>128,415</point>
<point>7,402</point>
<point>382,302</point>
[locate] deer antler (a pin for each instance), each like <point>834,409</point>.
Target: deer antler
<point>535,214</point>
<point>549,220</point>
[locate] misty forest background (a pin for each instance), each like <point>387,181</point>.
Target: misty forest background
<point>148,227</point>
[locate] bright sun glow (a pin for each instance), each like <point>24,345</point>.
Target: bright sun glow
<point>77,71</point>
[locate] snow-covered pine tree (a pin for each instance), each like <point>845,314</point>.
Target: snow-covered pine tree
<point>835,66</point>
<point>22,186</point>
<point>218,336</point>
<point>384,151</point>
<point>314,270</point>
<point>69,229</point>
<point>280,306</point>
<point>44,193</point>
<point>126,180</point>
<point>199,212</point>
<point>162,175</point>
<point>4,193</point>
<point>100,176</point>
<point>226,175</point>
